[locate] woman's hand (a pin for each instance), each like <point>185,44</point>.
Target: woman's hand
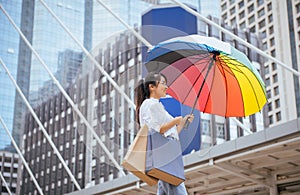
<point>189,117</point>
<point>181,125</point>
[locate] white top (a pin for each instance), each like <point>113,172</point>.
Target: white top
<point>154,115</point>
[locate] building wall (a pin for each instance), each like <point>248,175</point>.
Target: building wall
<point>67,133</point>
<point>9,170</point>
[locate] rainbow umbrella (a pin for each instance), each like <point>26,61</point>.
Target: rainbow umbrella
<point>209,75</point>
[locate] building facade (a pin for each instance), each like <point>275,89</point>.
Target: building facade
<point>9,55</point>
<point>103,107</point>
<point>9,170</point>
<point>105,24</point>
<point>277,23</point>
<point>48,39</point>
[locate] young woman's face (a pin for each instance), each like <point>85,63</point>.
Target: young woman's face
<point>160,90</point>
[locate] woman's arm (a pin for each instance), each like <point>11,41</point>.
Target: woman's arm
<point>189,117</point>
<point>179,121</point>
<point>166,126</point>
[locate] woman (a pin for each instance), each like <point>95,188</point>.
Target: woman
<point>151,112</point>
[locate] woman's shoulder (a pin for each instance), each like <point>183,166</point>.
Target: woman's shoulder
<point>147,103</point>
<point>150,101</point>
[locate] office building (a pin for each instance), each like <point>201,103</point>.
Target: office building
<point>111,117</point>
<point>277,23</point>
<point>48,39</point>
<point>105,24</point>
<point>9,170</point>
<point>9,55</point>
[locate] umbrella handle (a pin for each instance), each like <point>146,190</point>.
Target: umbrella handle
<point>187,123</point>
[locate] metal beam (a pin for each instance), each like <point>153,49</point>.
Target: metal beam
<point>257,150</point>
<point>234,172</point>
<point>240,190</point>
<point>238,168</point>
<point>213,187</point>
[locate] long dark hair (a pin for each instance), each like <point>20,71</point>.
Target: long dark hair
<point>142,90</point>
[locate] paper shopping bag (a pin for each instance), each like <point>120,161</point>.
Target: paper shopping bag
<point>135,159</point>
<point>164,158</point>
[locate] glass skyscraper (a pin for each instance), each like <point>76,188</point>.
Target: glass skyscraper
<point>9,40</point>
<point>50,39</point>
<point>105,24</point>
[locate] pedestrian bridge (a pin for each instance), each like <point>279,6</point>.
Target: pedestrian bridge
<point>266,162</point>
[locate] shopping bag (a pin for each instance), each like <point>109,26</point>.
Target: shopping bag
<point>135,158</point>
<point>164,158</point>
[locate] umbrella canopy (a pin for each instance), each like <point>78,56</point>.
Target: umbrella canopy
<point>209,75</point>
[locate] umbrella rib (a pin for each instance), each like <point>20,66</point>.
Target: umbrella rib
<point>188,68</point>
<point>211,87</point>
<point>238,69</point>
<point>222,70</point>
<point>261,85</point>
<point>196,81</point>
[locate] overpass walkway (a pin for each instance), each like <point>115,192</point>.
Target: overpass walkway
<point>266,162</point>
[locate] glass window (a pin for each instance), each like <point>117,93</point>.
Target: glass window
<point>262,24</point>
<point>272,41</point>
<point>242,15</point>
<point>243,25</point>
<point>268,94</point>
<point>277,103</point>
<point>241,4</point>
<point>267,70</point>
<point>260,2</point>
<point>298,8</point>
<point>298,21</point>
<point>233,21</point>
<point>269,6</point>
<point>274,66</point>
<point>263,34</point>
<point>205,127</point>
<point>224,7</point>
<point>271,119</point>
<point>220,130</point>
<point>251,8</point>
<point>251,19</point>
<point>232,10</point>
<point>270,17</point>
<point>267,82</point>
<point>271,30</point>
<point>275,78</point>
<point>278,116</point>
<point>270,106</point>
<point>261,13</point>
<point>273,53</point>
<point>276,90</point>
